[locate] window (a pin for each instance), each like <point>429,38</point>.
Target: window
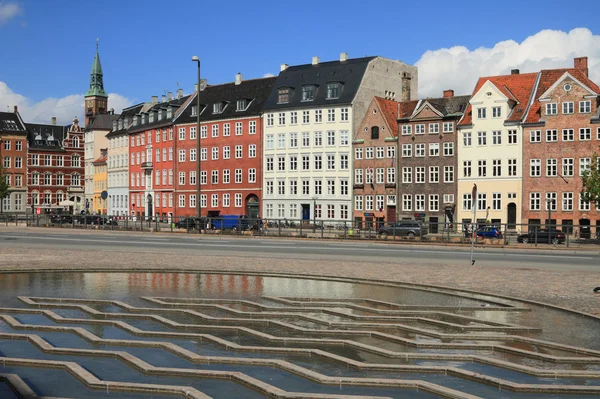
<point>305,162</point>
<point>293,140</point>
<point>318,162</point>
<point>215,131</point>
<point>203,177</point>
<point>330,187</point>
<point>374,132</point>
<point>214,200</point>
<point>333,90</point>
<point>215,177</point>
<point>535,166</point>
<point>7,145</point>
<point>585,134</point>
<point>269,187</point>
<point>481,138</point>
<point>391,152</point>
<point>330,162</point>
<point>281,163</point>
<point>318,187</point>
<point>226,130</point>
<point>358,153</point>
<point>215,153</point>
<point>567,201</point>
<point>466,168</point>
<point>434,174</point>
<point>358,202</point>
<point>534,201</point>
<point>241,105</point>
<point>583,205</point>
<point>344,115</point>
<point>305,139</point>
<point>281,140</point>
<point>294,117</point>
<point>420,174</point>
<point>358,176</point>
<point>406,130</point>
<point>448,127</point>
<point>379,153</point>
<point>305,117</point>
<point>434,202</point>
<point>181,178</point>
<point>585,107</point>
<point>482,167</point>
<point>281,187</point>
<point>467,139</point>
<point>48,160</point>
<point>512,167</point>
<point>379,172</point>
<point>568,107</point>
<point>369,153</point>
<point>551,135</point>
<point>369,175</point>
<point>551,201</point>
<point>308,93</point>
<point>193,178</point>
<point>434,128</point>
<point>331,115</point>
<point>7,162</point>
<point>419,202</point>
<point>551,167</point>
<point>391,175</point>
<point>252,127</point>
<point>406,202</point>
<point>419,150</point>
<point>512,137</point>
<point>305,187</point>
<point>181,133</point>
<point>344,138</point>
<point>551,109</point>
<point>535,136</point>
<point>496,112</point>
<point>379,202</point>
<point>330,138</point>
<point>344,161</point>
<point>420,129</point>
<point>269,164</point>
<point>270,142</point>
<point>203,132</point>
<point>568,166</point>
<point>406,175</point>
<point>584,165</point>
<point>293,187</point>
<point>497,167</point>
<point>251,175</point>
<point>481,201</point>
<point>283,95</point>
<point>481,113</point>
<point>318,116</point>
<point>448,174</point>
<point>434,149</point>
<point>181,155</point>
<point>293,162</point>
<point>270,120</point>
<point>448,198</point>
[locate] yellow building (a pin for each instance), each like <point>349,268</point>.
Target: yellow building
<point>100,183</point>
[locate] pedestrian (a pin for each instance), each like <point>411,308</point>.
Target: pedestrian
<point>466,230</point>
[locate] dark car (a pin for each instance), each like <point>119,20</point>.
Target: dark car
<point>61,219</point>
<point>192,223</point>
<point>489,232</point>
<point>550,236</point>
<point>404,228</point>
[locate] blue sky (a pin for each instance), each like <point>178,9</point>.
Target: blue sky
<point>146,46</point>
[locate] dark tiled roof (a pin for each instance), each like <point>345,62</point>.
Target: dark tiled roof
<point>449,105</point>
<point>102,122</point>
<point>174,104</point>
<point>407,108</point>
<point>518,87</point>
<point>46,137</point>
<point>349,72</point>
<point>128,114</point>
<point>256,91</point>
<point>389,109</point>
<point>10,122</point>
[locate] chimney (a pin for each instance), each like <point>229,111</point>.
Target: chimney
<point>581,63</point>
<point>514,71</point>
<point>54,120</point>
<point>154,99</point>
<point>203,84</point>
<point>170,96</point>
<point>195,87</point>
<point>406,86</point>
<point>179,93</point>
<point>315,60</point>
<point>343,56</point>
<point>16,109</point>
<point>448,93</point>
<point>238,78</point>
<point>283,67</point>
<point>164,98</point>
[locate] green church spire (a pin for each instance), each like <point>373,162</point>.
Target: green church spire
<point>96,84</point>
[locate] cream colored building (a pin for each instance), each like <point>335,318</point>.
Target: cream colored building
<point>95,140</point>
<point>490,150</point>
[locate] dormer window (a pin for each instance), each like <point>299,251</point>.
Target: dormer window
<point>283,95</point>
<point>136,120</point>
<point>169,112</point>
<point>114,125</point>
<point>241,105</point>
<point>194,110</point>
<point>120,124</point>
<point>126,122</point>
<point>143,119</point>
<point>217,108</point>
<point>160,114</point>
<point>308,93</point>
<point>151,117</point>
<point>334,90</point>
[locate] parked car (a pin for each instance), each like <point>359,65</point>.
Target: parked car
<point>404,228</point>
<point>489,232</point>
<point>97,220</point>
<point>61,219</point>
<point>192,223</point>
<point>550,236</point>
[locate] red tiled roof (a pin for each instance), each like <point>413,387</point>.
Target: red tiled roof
<point>407,108</point>
<point>102,159</point>
<point>517,87</point>
<point>547,78</point>
<point>389,109</point>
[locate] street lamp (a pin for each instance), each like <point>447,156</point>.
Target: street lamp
<point>198,180</point>
<point>549,202</point>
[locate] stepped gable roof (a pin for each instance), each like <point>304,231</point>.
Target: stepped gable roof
<point>148,108</point>
<point>10,122</point>
<point>547,78</point>
<point>126,115</point>
<point>389,109</point>
<point>254,91</point>
<point>350,73</point>
<point>516,87</point>
<point>46,136</point>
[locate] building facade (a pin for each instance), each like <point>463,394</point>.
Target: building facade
<point>375,149</point>
<point>427,166</point>
<point>309,122</point>
<point>490,150</point>
<point>13,155</point>
<point>231,149</point>
<point>100,183</point>
<point>561,131</point>
<point>55,167</point>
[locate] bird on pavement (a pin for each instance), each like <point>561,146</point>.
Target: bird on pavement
<point>597,290</point>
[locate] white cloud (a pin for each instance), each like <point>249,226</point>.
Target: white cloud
<point>458,68</point>
<point>64,109</point>
<point>8,11</point>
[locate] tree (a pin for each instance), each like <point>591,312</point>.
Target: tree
<point>591,182</point>
<point>3,187</point>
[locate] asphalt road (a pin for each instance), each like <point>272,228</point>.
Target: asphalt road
<point>367,252</point>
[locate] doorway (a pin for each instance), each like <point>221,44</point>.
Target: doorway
<point>252,207</point>
<point>511,218</point>
<point>305,212</point>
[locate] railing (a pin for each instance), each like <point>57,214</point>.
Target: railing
<point>146,165</point>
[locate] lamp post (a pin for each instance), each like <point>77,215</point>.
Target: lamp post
<point>198,180</point>
<point>314,214</point>
<point>150,211</point>
<point>549,202</point>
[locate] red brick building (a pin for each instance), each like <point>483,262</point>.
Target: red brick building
<point>13,155</point>
<point>231,149</point>
<point>427,166</point>
<point>55,166</point>
<point>375,155</point>
<point>562,130</point>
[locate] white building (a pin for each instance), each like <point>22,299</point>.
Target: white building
<point>308,127</point>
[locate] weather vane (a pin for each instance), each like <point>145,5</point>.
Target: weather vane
<point>97,40</point>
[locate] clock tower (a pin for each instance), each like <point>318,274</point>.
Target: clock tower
<point>96,99</point>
